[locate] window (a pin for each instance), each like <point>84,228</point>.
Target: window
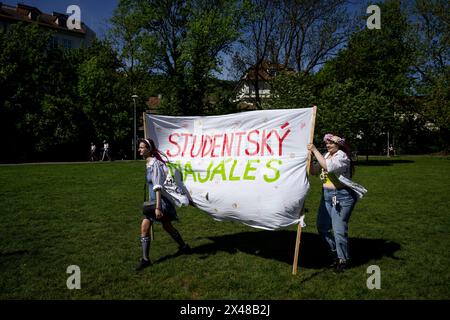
<point>54,43</point>
<point>67,44</point>
<point>272,72</point>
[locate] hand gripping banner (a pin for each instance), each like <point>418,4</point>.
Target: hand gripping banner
<point>248,167</point>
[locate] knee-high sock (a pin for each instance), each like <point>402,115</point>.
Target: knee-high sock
<point>145,242</point>
<point>177,237</point>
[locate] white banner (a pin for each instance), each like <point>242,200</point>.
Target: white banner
<point>248,167</point>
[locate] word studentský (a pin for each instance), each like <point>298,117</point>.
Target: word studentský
<point>228,144</point>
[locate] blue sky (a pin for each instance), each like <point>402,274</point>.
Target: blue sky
<point>93,13</point>
<point>97,13</point>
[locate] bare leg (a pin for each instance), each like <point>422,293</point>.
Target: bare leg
<point>145,227</point>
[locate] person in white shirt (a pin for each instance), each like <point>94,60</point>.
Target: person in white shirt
<point>92,156</point>
<point>339,196</point>
<point>105,151</point>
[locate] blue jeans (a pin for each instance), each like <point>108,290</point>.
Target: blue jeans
<point>333,218</point>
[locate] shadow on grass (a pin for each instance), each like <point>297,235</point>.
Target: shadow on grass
<point>13,253</point>
<point>14,256</point>
<point>381,162</point>
<point>280,245</point>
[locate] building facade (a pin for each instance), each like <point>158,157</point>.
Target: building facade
<point>63,37</point>
<point>255,83</point>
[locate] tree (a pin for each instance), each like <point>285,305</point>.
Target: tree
<point>54,102</point>
<point>300,35</point>
<point>293,90</point>
<point>182,40</point>
<point>375,70</point>
<point>358,114</point>
<point>431,37</point>
<point>124,35</point>
<point>104,95</point>
<point>34,100</point>
<point>261,18</point>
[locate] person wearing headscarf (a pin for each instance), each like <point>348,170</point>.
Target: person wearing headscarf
<point>339,196</point>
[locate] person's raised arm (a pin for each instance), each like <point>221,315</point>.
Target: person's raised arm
<point>318,155</point>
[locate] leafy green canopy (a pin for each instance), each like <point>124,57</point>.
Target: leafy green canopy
<point>180,40</point>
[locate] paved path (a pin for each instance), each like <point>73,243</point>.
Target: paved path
<point>73,162</point>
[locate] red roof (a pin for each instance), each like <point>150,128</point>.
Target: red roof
<point>153,101</point>
<point>27,13</point>
<point>266,71</point>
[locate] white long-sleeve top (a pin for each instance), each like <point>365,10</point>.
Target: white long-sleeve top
<point>338,173</point>
<point>338,163</point>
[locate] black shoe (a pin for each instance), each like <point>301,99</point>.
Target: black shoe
<point>184,250</point>
<point>341,266</point>
<point>334,263</point>
<point>143,264</point>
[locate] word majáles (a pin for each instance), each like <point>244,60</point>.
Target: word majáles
<point>229,170</point>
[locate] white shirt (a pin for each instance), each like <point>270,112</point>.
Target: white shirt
<point>338,163</point>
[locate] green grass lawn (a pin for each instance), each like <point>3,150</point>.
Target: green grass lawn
<point>53,216</point>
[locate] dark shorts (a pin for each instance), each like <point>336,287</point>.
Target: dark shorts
<point>167,208</point>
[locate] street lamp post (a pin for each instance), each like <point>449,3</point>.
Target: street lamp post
<point>134,120</point>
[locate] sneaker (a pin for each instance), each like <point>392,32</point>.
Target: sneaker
<point>186,249</point>
<point>341,266</point>
<point>331,259</point>
<point>143,264</point>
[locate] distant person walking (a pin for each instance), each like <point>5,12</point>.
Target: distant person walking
<point>106,151</point>
<point>93,156</point>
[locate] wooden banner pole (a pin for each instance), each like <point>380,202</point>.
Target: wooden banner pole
<point>308,162</point>
<point>144,122</point>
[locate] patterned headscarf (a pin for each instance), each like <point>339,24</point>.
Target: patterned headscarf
<point>331,137</point>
